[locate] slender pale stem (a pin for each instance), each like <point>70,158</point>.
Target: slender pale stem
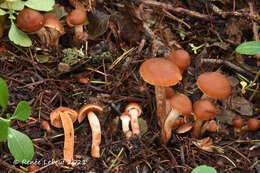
<point>96,134</point>
<point>160,103</point>
<point>125,127</point>
<point>134,121</point>
<point>167,127</point>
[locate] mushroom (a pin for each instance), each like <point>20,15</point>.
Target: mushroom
<point>169,93</point>
<point>46,126</point>
<point>180,104</point>
<point>76,19</point>
<point>181,58</point>
<point>89,109</point>
<point>160,73</point>
<point>214,85</point>
<point>32,21</point>
<point>54,29</point>
<point>210,126</point>
<point>203,110</point>
<point>65,117</point>
<point>253,124</point>
<point>238,123</point>
<point>134,110</point>
<point>125,118</point>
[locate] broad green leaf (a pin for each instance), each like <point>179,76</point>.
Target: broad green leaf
<point>20,145</point>
<point>19,37</point>
<point>46,5</point>
<point>249,48</point>
<point>2,12</point>
<point>204,169</point>
<point>3,94</point>
<point>14,5</point>
<point>3,130</point>
<point>22,111</point>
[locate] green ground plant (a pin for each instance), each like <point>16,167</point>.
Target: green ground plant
<point>19,144</point>
<point>11,8</point>
<point>204,169</point>
<point>249,48</point>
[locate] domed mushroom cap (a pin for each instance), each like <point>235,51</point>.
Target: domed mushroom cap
<point>52,21</point>
<point>182,104</point>
<point>30,20</point>
<point>253,124</point>
<point>238,122</point>
<point>204,109</point>
<point>76,17</point>
<point>56,119</point>
<point>181,58</point>
<point>214,84</point>
<point>160,72</point>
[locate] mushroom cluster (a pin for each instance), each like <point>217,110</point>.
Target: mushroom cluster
<point>164,73</point>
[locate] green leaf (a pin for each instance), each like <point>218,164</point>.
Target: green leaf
<point>46,5</point>
<point>249,48</point>
<point>3,94</point>
<point>20,145</point>
<point>14,5</point>
<point>22,111</point>
<point>2,12</point>
<point>19,37</point>
<point>204,169</point>
<point>3,130</point>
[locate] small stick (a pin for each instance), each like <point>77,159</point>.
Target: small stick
<point>10,166</point>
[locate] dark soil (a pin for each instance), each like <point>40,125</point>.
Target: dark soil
<point>180,24</point>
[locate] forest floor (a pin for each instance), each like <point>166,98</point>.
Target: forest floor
<point>123,35</point>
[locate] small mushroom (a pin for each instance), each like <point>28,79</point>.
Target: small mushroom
<point>238,123</point>
<point>253,124</point>
<point>76,19</point>
<point>160,73</point>
<point>65,117</point>
<point>134,110</point>
<point>89,109</point>
<point>46,126</point>
<point>181,58</point>
<point>214,85</point>
<point>180,104</point>
<point>203,110</point>
<point>125,118</point>
<point>210,126</point>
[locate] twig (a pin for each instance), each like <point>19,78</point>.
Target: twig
<point>10,166</point>
<point>177,10</point>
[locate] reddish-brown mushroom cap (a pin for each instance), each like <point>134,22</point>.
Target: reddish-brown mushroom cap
<point>214,84</point>
<point>88,108</point>
<point>134,106</point>
<point>253,124</point>
<point>76,17</point>
<point>160,72</point>
<point>30,20</point>
<point>181,58</point>
<point>238,122</point>
<point>182,104</point>
<point>169,92</point>
<point>52,21</point>
<point>204,109</point>
<point>55,116</point>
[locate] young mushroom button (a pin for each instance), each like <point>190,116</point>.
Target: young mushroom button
<point>89,109</point>
<point>65,117</point>
<point>160,73</point>
<point>214,85</point>
<point>181,58</point>
<point>180,104</point>
<point>134,110</point>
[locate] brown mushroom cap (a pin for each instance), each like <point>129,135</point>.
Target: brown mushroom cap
<point>182,104</point>
<point>238,122</point>
<point>52,21</point>
<point>86,109</point>
<point>55,116</point>
<point>160,72</point>
<point>30,20</point>
<point>181,58</point>
<point>169,92</point>
<point>204,109</point>
<point>253,124</point>
<point>214,84</point>
<point>76,17</point>
<point>134,106</point>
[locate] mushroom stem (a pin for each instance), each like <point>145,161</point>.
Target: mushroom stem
<point>125,126</point>
<point>160,104</point>
<point>197,128</point>
<point>167,127</point>
<point>69,137</point>
<point>134,121</point>
<point>78,32</point>
<point>96,134</point>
